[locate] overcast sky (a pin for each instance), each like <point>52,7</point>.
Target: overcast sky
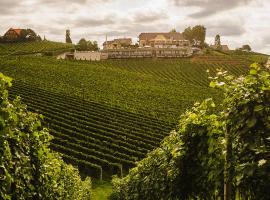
<point>237,21</point>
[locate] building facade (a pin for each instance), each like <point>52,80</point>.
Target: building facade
<point>12,34</point>
<point>120,43</point>
<point>220,47</point>
<point>163,40</point>
<point>150,52</point>
<point>84,55</point>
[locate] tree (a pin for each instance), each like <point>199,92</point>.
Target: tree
<point>188,34</point>
<point>28,35</point>
<point>212,147</point>
<point>246,47</point>
<point>68,38</point>
<point>173,30</point>
<point>217,41</point>
<point>196,34</point>
<point>84,45</point>
<point>199,33</point>
<point>92,46</point>
<point>28,169</point>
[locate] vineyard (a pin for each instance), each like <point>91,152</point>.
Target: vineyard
<point>162,89</point>
<point>107,115</point>
<point>93,136</point>
<point>24,48</point>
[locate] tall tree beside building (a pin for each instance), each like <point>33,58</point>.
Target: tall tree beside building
<point>84,45</point>
<point>195,34</point>
<point>217,40</point>
<point>188,34</point>
<point>68,39</point>
<point>199,33</point>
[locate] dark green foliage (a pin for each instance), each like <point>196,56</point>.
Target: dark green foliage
<point>190,162</point>
<point>217,41</point>
<point>28,169</point>
<point>28,35</point>
<point>246,47</point>
<point>186,165</point>
<point>195,34</point>
<point>84,45</point>
<point>247,120</point>
<point>68,38</point>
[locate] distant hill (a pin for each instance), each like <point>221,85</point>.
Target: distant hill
<point>43,47</point>
<point>251,56</point>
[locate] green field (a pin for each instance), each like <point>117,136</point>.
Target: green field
<point>24,48</point>
<point>101,190</point>
<point>158,88</point>
<point>107,115</point>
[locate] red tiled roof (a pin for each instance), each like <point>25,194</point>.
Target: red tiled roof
<point>170,35</point>
<point>17,30</point>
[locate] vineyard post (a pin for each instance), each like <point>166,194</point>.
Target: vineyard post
<point>228,166</point>
<point>121,170</point>
<point>101,174</point>
<point>82,85</point>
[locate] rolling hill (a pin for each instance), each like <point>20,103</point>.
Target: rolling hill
<point>106,115</point>
<point>43,47</point>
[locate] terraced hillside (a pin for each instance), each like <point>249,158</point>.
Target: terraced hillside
<point>91,135</point>
<point>162,89</point>
<point>106,115</point>
<point>34,48</point>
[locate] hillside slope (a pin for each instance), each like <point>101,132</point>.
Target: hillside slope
<point>107,115</point>
<point>24,48</point>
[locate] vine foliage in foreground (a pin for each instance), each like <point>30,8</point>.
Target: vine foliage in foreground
<point>28,170</point>
<point>194,161</point>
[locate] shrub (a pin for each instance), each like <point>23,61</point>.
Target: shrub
<point>28,169</point>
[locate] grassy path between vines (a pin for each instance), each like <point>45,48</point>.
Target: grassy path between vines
<point>101,190</point>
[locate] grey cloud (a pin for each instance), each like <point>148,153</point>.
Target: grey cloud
<point>226,28</point>
<point>130,30</point>
<point>62,1</point>
<point>94,22</point>
<point>71,1</point>
<point>210,7</point>
<point>146,17</point>
<point>57,31</point>
<point>266,40</point>
<point>110,34</point>
<point>8,6</point>
<point>135,30</point>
